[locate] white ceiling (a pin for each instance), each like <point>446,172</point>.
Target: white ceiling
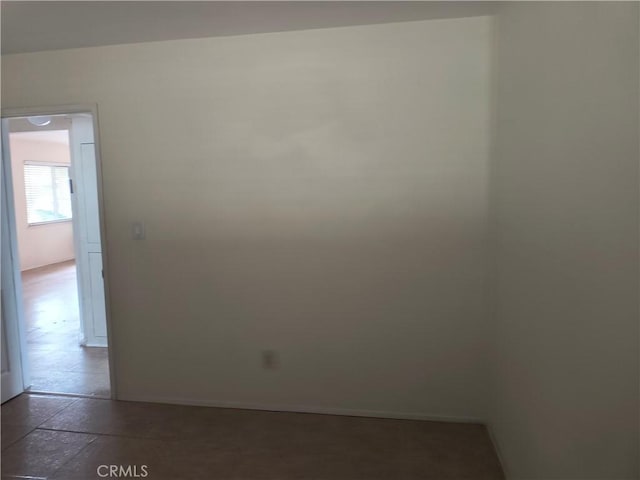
<point>21,124</point>
<point>55,136</point>
<point>31,26</point>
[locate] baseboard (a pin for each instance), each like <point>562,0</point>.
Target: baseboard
<point>302,409</point>
<point>496,448</point>
<point>48,264</point>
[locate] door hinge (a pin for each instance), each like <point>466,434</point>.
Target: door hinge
<point>71,185</point>
<point>102,274</point>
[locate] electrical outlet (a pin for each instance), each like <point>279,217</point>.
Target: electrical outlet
<point>270,360</point>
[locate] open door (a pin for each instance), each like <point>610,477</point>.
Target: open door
<point>86,229</point>
<point>18,357</point>
<point>13,381</point>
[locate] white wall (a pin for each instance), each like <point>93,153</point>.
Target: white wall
<point>566,197</point>
<point>320,193</point>
<point>38,245</point>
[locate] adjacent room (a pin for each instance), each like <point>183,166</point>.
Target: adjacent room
<point>336,240</point>
<point>63,355</point>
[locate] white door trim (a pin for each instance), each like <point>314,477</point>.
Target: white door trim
<point>86,231</point>
<point>93,110</point>
<point>13,281</point>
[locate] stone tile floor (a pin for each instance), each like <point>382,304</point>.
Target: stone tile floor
<point>66,438</point>
<point>57,437</point>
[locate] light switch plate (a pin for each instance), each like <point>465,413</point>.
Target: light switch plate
<point>137,230</point>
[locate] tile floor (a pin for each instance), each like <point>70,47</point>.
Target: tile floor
<point>66,438</point>
<point>58,363</point>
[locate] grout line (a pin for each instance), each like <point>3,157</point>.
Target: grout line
<point>24,477</point>
<point>73,402</point>
<point>113,435</point>
<point>35,427</point>
<point>55,472</point>
<point>6,446</point>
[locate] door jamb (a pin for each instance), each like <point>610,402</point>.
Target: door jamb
<point>15,287</point>
<point>93,110</point>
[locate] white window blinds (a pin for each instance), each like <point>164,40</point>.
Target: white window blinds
<point>47,191</point>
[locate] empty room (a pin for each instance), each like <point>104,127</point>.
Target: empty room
<point>321,240</point>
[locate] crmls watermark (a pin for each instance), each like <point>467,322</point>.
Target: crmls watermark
<point>122,471</point>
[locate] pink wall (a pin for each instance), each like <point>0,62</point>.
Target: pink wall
<point>38,245</point>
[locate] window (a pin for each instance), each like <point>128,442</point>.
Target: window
<point>47,190</point>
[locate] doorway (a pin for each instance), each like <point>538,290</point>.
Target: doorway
<point>52,190</point>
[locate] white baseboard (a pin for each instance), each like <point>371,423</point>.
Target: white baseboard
<point>496,448</point>
<point>302,409</point>
<point>46,264</point>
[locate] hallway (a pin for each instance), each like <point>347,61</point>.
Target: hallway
<point>57,362</point>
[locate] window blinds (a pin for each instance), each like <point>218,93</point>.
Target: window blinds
<point>47,192</point>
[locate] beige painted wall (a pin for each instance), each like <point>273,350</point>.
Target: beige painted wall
<point>38,245</point>
<point>319,193</point>
<point>566,197</point>
<point>324,194</point>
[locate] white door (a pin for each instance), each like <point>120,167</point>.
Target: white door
<point>86,228</point>
<point>10,290</point>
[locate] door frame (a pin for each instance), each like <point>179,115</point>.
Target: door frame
<point>92,109</point>
<point>12,286</point>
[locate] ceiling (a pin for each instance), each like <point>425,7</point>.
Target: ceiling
<point>21,124</point>
<point>31,26</point>
<point>55,136</point>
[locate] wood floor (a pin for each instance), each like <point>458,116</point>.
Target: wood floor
<point>57,362</point>
<point>63,438</point>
